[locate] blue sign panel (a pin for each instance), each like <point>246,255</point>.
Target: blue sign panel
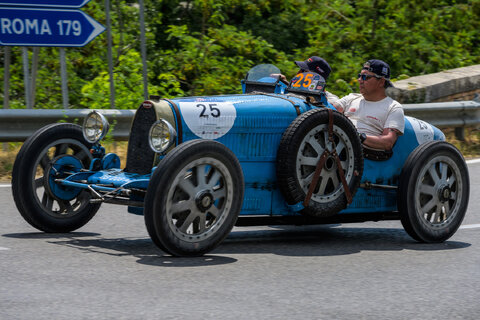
<point>47,27</point>
<point>45,3</point>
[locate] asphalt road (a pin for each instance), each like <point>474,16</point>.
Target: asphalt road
<point>110,269</point>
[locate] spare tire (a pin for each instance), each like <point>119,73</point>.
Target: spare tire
<point>301,147</point>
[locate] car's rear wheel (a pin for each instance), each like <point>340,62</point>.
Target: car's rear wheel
<point>433,192</point>
<point>194,198</point>
<point>300,151</point>
<point>42,203</point>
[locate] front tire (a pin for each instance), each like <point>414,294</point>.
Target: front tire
<point>194,198</point>
<point>30,180</point>
<point>433,192</point>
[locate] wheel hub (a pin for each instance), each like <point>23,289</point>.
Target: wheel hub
<point>204,200</point>
<point>60,168</point>
<point>330,164</point>
<point>444,193</point>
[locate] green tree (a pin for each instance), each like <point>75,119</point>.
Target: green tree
<point>203,47</point>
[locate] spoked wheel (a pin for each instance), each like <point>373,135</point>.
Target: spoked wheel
<point>303,144</point>
<point>433,192</point>
<point>194,198</point>
<point>52,152</point>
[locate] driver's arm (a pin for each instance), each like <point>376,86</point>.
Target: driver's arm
<point>337,106</point>
<point>385,141</point>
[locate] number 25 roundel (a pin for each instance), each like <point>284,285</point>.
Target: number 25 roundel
<point>208,119</point>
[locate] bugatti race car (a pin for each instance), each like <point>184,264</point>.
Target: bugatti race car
<point>276,154</point>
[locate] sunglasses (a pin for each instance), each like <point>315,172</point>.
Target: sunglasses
<point>365,77</point>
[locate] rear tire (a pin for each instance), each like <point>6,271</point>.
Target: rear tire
<point>433,192</point>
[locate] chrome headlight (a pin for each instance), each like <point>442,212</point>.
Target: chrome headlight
<point>95,127</point>
<point>162,135</point>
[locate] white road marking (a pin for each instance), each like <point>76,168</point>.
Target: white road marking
<point>5,185</point>
<point>2,248</point>
<point>470,226</point>
<point>472,161</point>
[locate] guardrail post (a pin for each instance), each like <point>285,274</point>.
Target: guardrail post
<point>460,133</point>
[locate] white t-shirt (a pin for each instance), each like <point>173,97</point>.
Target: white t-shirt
<point>371,117</point>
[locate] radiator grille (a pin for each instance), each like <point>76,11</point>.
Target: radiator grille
<point>140,157</point>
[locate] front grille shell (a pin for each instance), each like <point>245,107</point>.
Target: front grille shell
<point>140,158</point>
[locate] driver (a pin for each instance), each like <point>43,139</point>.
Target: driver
<point>313,64</point>
<point>378,118</point>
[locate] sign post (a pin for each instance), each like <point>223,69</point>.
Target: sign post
<point>6,76</point>
<point>26,77</point>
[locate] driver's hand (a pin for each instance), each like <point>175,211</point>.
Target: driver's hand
<point>279,76</point>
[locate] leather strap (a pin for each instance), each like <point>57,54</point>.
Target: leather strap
<point>330,125</point>
<point>321,163</point>
<point>348,194</point>
<point>316,176</point>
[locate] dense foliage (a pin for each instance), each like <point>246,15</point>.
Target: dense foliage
<point>199,47</point>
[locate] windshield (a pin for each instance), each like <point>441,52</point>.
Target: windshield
<point>262,71</point>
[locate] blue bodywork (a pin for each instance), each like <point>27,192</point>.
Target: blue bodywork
<point>251,125</point>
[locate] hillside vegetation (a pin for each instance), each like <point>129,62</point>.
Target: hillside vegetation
<point>202,47</point>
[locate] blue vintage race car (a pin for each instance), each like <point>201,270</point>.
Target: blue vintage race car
<point>279,153</point>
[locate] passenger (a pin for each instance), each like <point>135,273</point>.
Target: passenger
<point>378,118</point>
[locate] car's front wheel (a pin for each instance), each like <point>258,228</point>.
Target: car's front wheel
<point>194,198</point>
<point>51,153</point>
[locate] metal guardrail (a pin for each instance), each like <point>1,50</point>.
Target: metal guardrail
<point>19,124</point>
<point>446,114</point>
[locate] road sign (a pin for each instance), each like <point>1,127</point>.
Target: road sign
<point>45,3</point>
<point>47,27</point>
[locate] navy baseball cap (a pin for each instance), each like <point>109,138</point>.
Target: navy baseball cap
<point>315,64</point>
<point>380,68</point>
